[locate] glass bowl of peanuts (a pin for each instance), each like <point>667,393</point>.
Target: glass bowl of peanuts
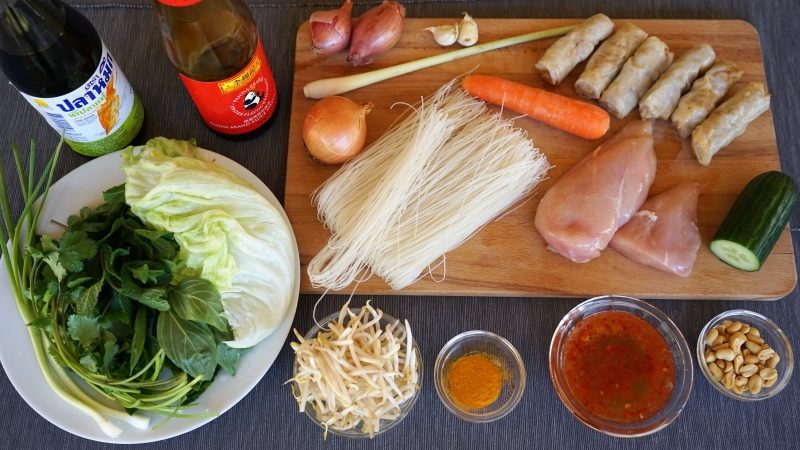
<point>745,355</point>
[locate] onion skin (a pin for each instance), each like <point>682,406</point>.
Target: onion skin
<point>335,130</point>
<point>376,31</point>
<point>330,30</point>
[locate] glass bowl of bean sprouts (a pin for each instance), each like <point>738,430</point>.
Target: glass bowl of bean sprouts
<point>357,373</point>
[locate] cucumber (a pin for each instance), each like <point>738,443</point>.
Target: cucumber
<point>756,221</point>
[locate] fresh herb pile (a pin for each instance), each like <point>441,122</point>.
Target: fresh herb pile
<point>109,302</point>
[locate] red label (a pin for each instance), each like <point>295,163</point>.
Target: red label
<point>238,104</point>
<point>179,2</point>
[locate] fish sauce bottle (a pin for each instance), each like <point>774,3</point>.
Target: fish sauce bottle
<point>215,47</point>
<point>54,57</point>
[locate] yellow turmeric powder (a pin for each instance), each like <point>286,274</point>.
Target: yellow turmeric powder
<point>474,381</point>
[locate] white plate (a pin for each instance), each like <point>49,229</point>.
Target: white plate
<point>83,187</point>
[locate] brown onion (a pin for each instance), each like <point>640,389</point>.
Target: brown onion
<point>376,31</point>
<point>330,30</point>
<point>335,129</point>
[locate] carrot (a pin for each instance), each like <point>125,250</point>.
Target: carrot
<point>568,114</point>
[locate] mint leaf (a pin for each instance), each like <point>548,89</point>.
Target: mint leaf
<point>88,298</point>
<point>83,329</point>
<point>141,273</point>
<point>197,299</point>
<point>155,297</point>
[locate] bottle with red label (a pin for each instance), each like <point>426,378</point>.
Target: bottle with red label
<point>214,44</point>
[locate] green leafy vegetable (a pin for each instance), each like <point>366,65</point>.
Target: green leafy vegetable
<point>197,299</point>
<point>84,329</point>
<point>139,335</point>
<point>190,345</point>
<point>97,304</point>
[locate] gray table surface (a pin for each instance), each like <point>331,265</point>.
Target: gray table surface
<point>268,418</point>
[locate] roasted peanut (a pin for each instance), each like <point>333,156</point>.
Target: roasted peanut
<point>736,341</point>
<point>753,347</point>
<point>763,355</point>
<point>720,346</point>
<point>733,328</point>
<point>711,336</point>
<point>755,384</point>
<point>754,338</point>
<point>716,372</point>
<point>748,370</point>
<point>728,380</point>
<point>768,373</point>
<point>737,363</point>
<point>738,358</point>
<point>726,354</point>
<point>728,367</point>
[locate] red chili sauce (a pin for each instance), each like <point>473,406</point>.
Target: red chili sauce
<point>618,366</point>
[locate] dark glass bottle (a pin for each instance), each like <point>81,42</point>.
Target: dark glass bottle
<point>53,55</point>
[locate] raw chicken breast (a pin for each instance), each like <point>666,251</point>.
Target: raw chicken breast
<point>580,213</point>
<point>664,234</point>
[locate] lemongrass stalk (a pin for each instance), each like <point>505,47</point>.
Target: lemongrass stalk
<point>335,86</point>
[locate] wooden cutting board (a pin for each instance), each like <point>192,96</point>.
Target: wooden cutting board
<point>508,257</point>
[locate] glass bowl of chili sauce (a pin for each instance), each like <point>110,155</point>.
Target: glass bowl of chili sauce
<point>621,366</point>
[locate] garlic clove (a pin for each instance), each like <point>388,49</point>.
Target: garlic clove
<point>467,31</point>
<point>444,35</point>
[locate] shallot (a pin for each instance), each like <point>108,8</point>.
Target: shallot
<point>376,31</point>
<point>335,129</point>
<point>330,30</point>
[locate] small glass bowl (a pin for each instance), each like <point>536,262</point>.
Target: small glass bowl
<point>406,407</point>
<point>771,334</point>
<point>503,353</point>
<point>675,341</point>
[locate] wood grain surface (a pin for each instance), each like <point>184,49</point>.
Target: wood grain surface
<point>508,257</point>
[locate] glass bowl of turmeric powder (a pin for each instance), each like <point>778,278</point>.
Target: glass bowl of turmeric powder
<point>479,376</point>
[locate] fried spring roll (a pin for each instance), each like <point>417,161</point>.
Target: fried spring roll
<point>706,92</point>
<point>573,48</point>
<point>606,62</point>
<point>728,121</point>
<point>663,96</point>
<point>637,75</point>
